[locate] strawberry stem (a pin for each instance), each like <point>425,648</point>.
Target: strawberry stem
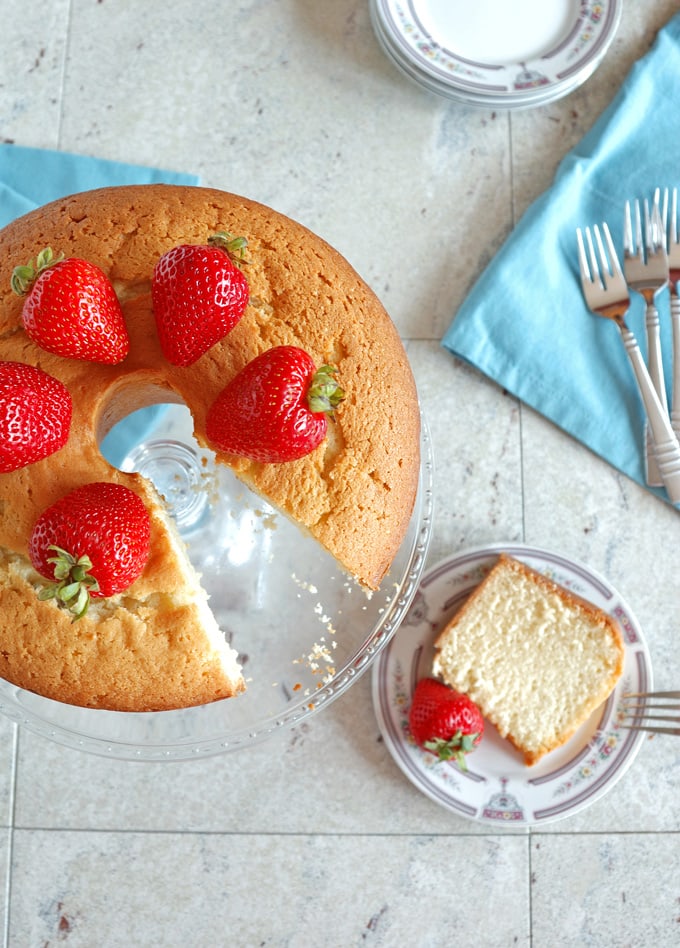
<point>234,247</point>
<point>23,277</point>
<point>455,748</point>
<point>324,394</point>
<point>73,584</point>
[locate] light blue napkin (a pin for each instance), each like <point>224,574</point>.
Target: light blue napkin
<point>30,177</point>
<point>525,323</point>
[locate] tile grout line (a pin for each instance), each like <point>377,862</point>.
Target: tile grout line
<point>530,905</point>
<point>10,833</point>
<point>531,834</point>
<point>62,82</point>
<point>513,221</point>
<point>15,748</point>
<point>15,753</point>
<point>518,401</point>
<point>524,531</point>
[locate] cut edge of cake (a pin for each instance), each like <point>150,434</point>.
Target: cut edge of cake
<point>536,690</point>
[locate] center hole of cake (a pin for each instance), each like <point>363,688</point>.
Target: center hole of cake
<point>178,475</point>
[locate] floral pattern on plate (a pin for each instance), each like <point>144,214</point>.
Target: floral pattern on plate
<point>498,788</point>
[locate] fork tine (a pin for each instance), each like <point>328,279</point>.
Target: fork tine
<point>582,258</point>
<point>594,266</point>
<point>590,270</point>
<point>639,245</point>
<point>644,718</point>
<point>603,255</point>
<point>628,247</point>
<point>651,707</point>
<point>647,220</point>
<point>656,239</point>
<point>613,266</point>
<point>669,231</point>
<point>652,694</point>
<point>643,713</point>
<point>651,729</point>
<point>664,219</point>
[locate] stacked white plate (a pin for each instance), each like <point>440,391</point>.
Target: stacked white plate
<point>495,53</point>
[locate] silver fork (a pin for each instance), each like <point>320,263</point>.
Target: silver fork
<point>640,710</point>
<point>645,265</point>
<point>673,248</point>
<point>606,293</point>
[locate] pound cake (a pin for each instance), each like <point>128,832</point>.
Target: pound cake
<point>536,659</point>
<point>156,645</point>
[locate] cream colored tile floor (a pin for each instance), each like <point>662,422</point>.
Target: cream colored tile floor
<point>315,838</point>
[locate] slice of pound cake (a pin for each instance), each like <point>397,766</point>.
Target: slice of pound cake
<point>535,658</point>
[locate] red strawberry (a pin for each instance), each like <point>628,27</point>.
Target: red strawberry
<point>444,721</point>
<point>92,542</point>
<point>35,415</point>
<point>71,309</point>
<point>198,296</point>
<point>276,408</point>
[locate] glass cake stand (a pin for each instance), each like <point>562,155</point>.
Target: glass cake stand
<point>303,629</point>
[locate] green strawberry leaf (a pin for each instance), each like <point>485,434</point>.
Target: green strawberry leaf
<point>233,246</point>
<point>73,584</point>
<point>23,277</point>
<point>324,394</point>
<point>455,748</point>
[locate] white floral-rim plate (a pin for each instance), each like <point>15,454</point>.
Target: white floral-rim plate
<point>494,47</point>
<point>497,787</point>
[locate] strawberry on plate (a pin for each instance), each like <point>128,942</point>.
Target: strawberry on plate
<point>444,722</point>
<point>199,294</point>
<point>276,409</point>
<point>92,542</point>
<point>35,415</point>
<point>71,309</point>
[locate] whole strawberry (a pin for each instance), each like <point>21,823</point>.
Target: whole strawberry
<point>276,409</point>
<point>444,722</point>
<point>92,542</point>
<point>71,309</point>
<point>198,296</point>
<point>35,415</point>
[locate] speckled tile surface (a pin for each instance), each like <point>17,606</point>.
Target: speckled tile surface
<point>613,889</point>
<point>316,837</point>
<point>129,888</point>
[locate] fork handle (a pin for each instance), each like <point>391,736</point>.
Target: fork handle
<point>666,444</point>
<point>675,326</point>
<point>655,365</point>
<point>654,359</point>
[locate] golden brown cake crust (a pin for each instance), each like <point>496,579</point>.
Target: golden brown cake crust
<point>354,494</point>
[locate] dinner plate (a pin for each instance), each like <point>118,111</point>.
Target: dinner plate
<point>493,53</point>
<point>498,788</point>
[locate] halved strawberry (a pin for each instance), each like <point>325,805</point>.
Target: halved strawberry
<point>93,542</point>
<point>71,309</point>
<point>444,722</point>
<point>199,294</point>
<point>276,409</point>
<point>35,415</point>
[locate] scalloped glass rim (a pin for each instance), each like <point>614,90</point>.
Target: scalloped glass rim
<point>206,730</point>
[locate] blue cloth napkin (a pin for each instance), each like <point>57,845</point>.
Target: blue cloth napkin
<point>31,177</point>
<point>525,323</point>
